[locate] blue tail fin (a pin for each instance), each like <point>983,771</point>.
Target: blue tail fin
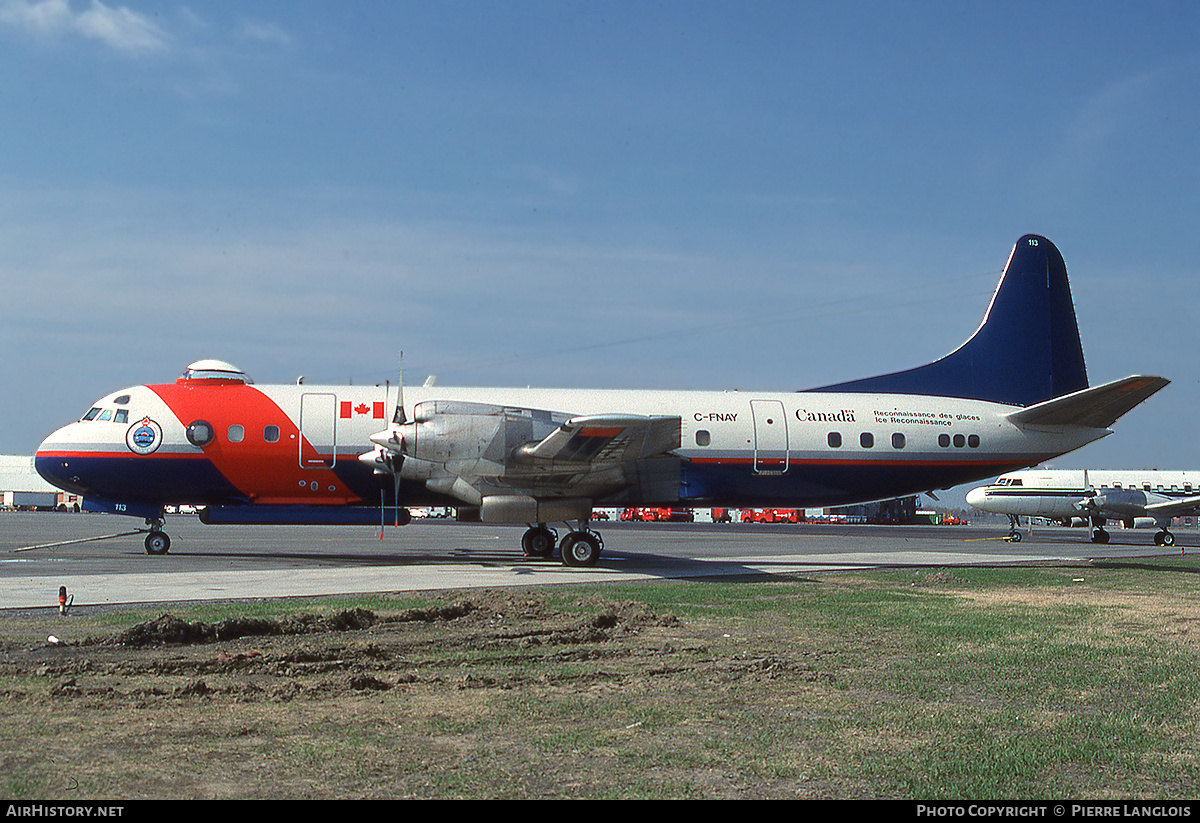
<point>1027,350</point>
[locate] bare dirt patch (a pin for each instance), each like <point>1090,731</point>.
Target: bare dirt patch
<point>495,694</point>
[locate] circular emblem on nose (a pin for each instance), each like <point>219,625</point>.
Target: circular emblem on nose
<point>144,436</point>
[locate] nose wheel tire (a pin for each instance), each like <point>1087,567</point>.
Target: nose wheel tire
<point>157,542</point>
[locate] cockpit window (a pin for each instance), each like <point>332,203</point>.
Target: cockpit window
<point>115,415</point>
<point>123,400</point>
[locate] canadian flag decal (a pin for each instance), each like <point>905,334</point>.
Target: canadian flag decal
<point>347,410</point>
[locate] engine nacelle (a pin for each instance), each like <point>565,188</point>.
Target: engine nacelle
<point>455,432</point>
<point>498,508</point>
<point>1127,503</point>
<point>448,438</point>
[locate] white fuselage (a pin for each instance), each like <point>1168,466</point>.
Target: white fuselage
<point>1062,494</point>
<point>300,444</point>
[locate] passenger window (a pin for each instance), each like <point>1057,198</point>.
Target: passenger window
<point>944,440</point>
<point>897,441</point>
<point>271,435</point>
<point>236,433</point>
<point>122,416</point>
<point>973,441</point>
<point>959,441</point>
<point>834,440</point>
<point>866,440</point>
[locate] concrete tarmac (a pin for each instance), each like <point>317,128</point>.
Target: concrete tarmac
<point>39,552</point>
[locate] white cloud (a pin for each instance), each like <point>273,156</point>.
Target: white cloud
<point>264,32</point>
<point>120,28</point>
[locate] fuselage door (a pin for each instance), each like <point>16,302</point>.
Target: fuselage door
<point>770,437</point>
<point>318,431</point>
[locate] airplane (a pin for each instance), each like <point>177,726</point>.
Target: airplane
<point>1065,495</point>
<point>1015,394</point>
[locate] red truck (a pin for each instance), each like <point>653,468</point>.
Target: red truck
<point>658,515</point>
<point>772,516</point>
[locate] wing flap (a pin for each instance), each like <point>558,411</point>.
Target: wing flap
<point>1095,408</point>
<point>603,440</point>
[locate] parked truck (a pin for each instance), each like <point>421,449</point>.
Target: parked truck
<point>772,516</point>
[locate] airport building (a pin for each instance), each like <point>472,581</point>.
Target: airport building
<point>21,487</point>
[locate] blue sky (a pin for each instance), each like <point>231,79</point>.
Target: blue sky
<point>753,195</point>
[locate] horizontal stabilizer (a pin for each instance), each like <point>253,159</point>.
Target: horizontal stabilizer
<point>605,439</point>
<point>1095,408</point>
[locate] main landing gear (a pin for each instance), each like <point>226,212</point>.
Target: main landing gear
<point>579,547</point>
<point>1162,537</point>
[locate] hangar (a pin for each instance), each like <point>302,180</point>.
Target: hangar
<point>21,487</point>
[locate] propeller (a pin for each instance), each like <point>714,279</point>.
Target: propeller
<point>1093,503</point>
<point>388,455</point>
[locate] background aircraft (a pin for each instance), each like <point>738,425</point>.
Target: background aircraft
<point>1015,394</point>
<point>1093,496</point>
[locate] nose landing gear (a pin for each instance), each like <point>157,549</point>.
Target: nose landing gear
<point>157,540</point>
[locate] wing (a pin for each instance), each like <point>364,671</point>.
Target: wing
<point>510,461</point>
<point>596,442</point>
<point>1175,508</point>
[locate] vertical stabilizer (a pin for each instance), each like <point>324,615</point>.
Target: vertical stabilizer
<point>1026,350</point>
